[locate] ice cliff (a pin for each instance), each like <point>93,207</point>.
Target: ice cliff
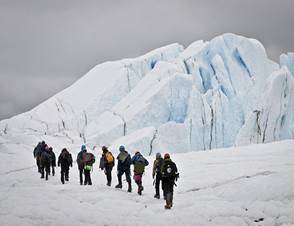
<point>212,94</point>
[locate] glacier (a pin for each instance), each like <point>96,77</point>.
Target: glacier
<point>213,94</point>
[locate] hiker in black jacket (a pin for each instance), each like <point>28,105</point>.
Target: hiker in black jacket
<point>64,161</point>
<point>81,163</point>
<point>45,161</point>
<point>37,151</point>
<point>53,160</point>
<point>107,163</point>
<point>123,166</point>
<point>157,164</point>
<point>169,173</point>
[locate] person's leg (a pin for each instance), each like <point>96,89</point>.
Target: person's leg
<point>128,178</point>
<point>81,176</point>
<point>62,175</point>
<point>139,183</point>
<point>47,171</point>
<point>42,171</point>
<point>89,178</point>
<point>38,164</point>
<point>53,170</point>
<point>66,173</point>
<point>169,194</point>
<point>119,178</point>
<point>108,175</point>
<point>86,181</point>
<point>164,188</point>
<point>157,183</point>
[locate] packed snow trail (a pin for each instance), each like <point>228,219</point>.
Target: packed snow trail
<point>251,185</point>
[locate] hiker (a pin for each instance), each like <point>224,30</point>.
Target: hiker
<point>157,164</point>
<point>64,161</point>
<point>123,166</point>
<point>37,151</point>
<point>88,161</point>
<point>169,175</point>
<point>53,161</point>
<point>81,163</point>
<point>45,161</point>
<point>139,163</point>
<point>106,164</point>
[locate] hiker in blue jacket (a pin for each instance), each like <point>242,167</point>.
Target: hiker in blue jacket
<point>123,166</point>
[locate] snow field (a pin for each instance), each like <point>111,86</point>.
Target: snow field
<point>235,186</point>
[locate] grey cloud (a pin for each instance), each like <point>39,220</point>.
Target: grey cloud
<point>55,42</point>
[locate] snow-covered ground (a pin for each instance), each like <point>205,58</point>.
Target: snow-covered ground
<point>236,186</point>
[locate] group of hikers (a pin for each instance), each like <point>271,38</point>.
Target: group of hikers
<point>164,169</point>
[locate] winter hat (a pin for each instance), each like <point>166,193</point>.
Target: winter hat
<point>50,149</point>
<point>158,155</point>
<point>122,148</point>
<point>104,149</point>
<point>83,148</point>
<point>166,156</point>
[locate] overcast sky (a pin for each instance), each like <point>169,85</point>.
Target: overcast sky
<point>46,45</point>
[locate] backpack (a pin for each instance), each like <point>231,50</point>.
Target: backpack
<point>66,157</point>
<point>88,158</point>
<point>139,164</point>
<point>45,158</point>
<point>109,157</point>
<point>169,169</point>
<point>139,167</point>
<point>122,156</point>
<point>158,165</point>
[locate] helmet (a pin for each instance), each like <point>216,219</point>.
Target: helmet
<point>158,155</point>
<point>83,148</point>
<point>166,156</point>
<point>122,148</point>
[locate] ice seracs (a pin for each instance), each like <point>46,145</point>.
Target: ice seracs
<point>210,95</point>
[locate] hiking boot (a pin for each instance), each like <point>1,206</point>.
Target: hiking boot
<point>157,196</point>
<point>118,186</point>
<point>129,189</point>
<point>167,207</point>
<point>42,177</point>
<point>108,184</point>
<point>140,189</point>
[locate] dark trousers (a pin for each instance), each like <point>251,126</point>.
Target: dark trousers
<point>53,171</point>
<point>168,189</point>
<point>158,178</point>
<point>45,169</point>
<point>64,174</point>
<point>108,170</point>
<point>87,177</point>
<point>38,164</point>
<point>128,176</point>
<point>81,171</point>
